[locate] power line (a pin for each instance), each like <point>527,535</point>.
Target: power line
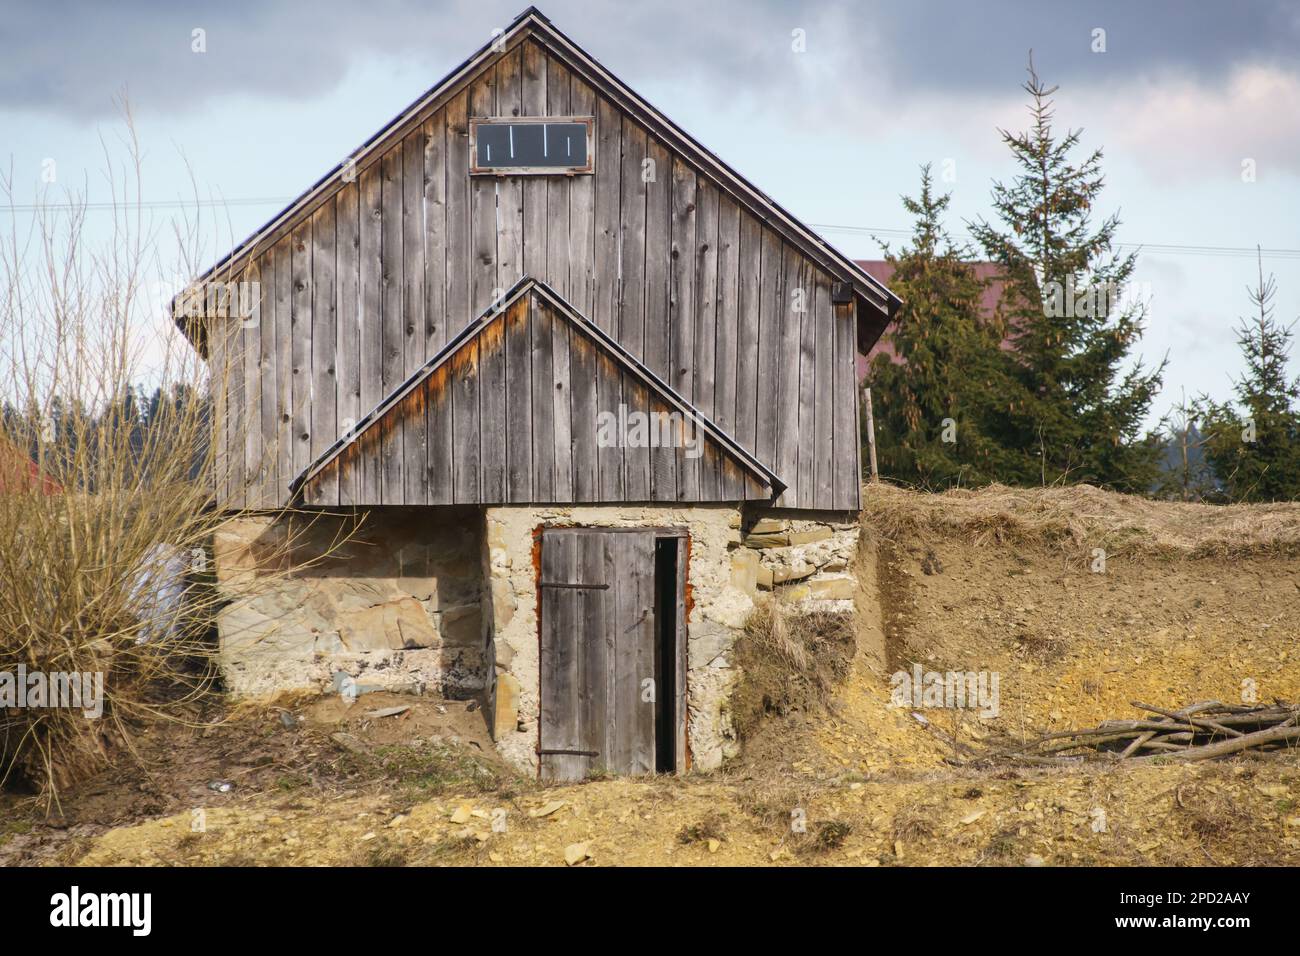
<point>1232,252</point>
<point>1226,252</point>
<point>158,204</point>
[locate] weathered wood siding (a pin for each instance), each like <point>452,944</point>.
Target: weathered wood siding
<point>372,282</point>
<point>516,452</point>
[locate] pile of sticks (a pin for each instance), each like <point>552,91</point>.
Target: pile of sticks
<point>1200,731</point>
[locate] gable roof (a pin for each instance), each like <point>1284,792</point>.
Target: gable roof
<point>877,304</point>
<point>989,273</point>
<point>526,286</point>
<point>995,286</point>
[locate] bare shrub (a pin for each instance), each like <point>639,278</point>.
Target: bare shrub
<point>106,514</point>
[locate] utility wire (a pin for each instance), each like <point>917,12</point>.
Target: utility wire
<point>1226,252</point>
<point>1233,252</point>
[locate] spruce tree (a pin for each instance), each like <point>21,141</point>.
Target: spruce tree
<point>940,410</point>
<point>1254,447</point>
<point>1078,415</point>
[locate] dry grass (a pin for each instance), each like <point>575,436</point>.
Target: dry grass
<point>830,835</point>
<point>106,516</point>
<point>790,660</point>
<point>912,823</point>
<point>770,801</point>
<point>1040,648</point>
<point>1076,519</point>
<point>711,827</point>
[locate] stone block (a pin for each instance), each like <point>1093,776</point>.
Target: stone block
<point>808,537</point>
<point>505,715</point>
<point>707,643</point>
<point>788,575</point>
<point>462,626</point>
<point>393,625</point>
<point>504,653</point>
<point>731,607</point>
<point>744,571</point>
<point>832,589</point>
<point>504,604</point>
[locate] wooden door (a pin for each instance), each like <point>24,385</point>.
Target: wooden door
<point>597,652</point>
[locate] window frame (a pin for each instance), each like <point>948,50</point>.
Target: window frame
<point>476,170</point>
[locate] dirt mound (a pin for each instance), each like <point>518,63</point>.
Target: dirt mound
<point>1072,647</point>
<point>1004,582</point>
<point>1079,518</point>
<point>791,661</point>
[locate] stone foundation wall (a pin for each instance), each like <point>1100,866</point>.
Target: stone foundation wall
<point>444,600</point>
<point>717,616</point>
<point>398,605</point>
<point>798,557</point>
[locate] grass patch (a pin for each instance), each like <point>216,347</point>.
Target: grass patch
<point>1039,647</point>
<point>419,771</point>
<point>290,782</point>
<point>709,828</point>
<point>771,804</point>
<point>912,824</point>
<point>386,852</point>
<point>1002,845</point>
<point>790,661</point>
<point>829,835</point>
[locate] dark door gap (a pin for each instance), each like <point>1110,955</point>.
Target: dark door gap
<point>665,677</point>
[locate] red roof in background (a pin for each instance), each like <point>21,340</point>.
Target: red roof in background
<point>883,271</point>
<point>19,473</point>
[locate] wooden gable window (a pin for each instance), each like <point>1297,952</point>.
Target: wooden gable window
<point>531,145</point>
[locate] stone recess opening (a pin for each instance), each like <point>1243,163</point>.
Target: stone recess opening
<point>613,680</point>
<point>397,606</point>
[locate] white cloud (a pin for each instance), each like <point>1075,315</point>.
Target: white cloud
<point>1181,128</point>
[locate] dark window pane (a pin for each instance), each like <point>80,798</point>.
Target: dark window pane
<point>567,143</point>
<point>493,144</point>
<point>544,145</point>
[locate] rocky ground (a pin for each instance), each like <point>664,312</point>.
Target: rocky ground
<point>860,782</point>
<point>389,804</point>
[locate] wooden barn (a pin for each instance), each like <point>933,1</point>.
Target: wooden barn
<point>580,392</point>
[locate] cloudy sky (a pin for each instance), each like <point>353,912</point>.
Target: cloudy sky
<point>1182,96</point>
